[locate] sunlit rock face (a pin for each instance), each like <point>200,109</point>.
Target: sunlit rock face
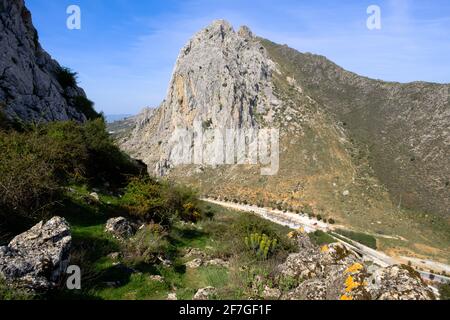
<point>29,86</point>
<point>222,78</point>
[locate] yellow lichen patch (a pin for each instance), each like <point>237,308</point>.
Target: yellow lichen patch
<point>301,230</point>
<point>292,234</point>
<point>324,249</point>
<point>351,284</point>
<point>346,297</point>
<point>354,268</point>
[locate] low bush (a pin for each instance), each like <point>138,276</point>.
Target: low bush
<point>147,245</point>
<point>160,202</point>
<point>362,238</point>
<point>8,293</point>
<point>66,77</point>
<point>86,107</point>
<point>261,245</point>
<point>38,162</point>
<point>320,238</point>
<point>444,291</point>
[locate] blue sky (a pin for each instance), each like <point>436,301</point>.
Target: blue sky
<point>126,49</point>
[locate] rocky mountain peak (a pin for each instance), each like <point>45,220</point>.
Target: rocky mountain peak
<point>222,78</point>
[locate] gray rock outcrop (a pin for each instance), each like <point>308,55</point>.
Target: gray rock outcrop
<point>29,85</point>
<point>334,272</point>
<point>205,293</point>
<point>120,228</point>
<point>38,258</point>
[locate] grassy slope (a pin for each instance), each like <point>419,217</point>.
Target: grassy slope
<point>222,237</point>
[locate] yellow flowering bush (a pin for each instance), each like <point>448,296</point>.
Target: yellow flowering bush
<point>292,234</point>
<point>261,244</point>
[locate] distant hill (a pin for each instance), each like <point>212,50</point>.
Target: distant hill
<point>110,118</point>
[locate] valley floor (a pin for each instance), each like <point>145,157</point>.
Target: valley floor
<point>206,254</point>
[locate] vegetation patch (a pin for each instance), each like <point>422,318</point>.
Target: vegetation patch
<point>66,77</point>
<point>86,107</point>
<point>321,238</point>
<point>444,291</point>
<point>362,238</point>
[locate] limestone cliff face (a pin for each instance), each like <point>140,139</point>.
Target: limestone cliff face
<point>222,78</point>
<point>29,87</point>
<point>355,149</point>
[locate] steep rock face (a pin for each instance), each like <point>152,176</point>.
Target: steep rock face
<point>221,79</point>
<point>29,87</point>
<point>351,148</point>
<point>38,258</point>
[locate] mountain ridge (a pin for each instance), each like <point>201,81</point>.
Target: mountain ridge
<point>326,159</point>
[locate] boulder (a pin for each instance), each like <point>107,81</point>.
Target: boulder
<point>217,263</point>
<point>95,196</point>
<point>271,293</point>
<point>172,296</point>
<point>157,278</point>
<point>38,258</point>
<point>194,264</point>
<point>334,272</point>
<point>398,283</point>
<point>120,228</point>
<point>205,293</point>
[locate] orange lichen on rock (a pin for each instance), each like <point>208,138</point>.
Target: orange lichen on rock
<point>351,284</point>
<point>355,268</point>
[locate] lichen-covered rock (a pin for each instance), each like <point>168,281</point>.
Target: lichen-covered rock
<point>311,262</point>
<point>120,228</point>
<point>334,272</point>
<point>313,289</point>
<point>398,283</point>
<point>271,293</point>
<point>205,293</point>
<point>38,258</point>
<point>29,86</point>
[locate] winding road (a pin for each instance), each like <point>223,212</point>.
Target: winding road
<point>296,221</point>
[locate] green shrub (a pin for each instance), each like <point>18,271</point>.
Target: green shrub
<point>362,238</point>
<point>9,293</point>
<point>27,179</point>
<point>162,203</point>
<point>444,291</point>
<point>4,122</point>
<point>261,245</point>
<point>320,238</point>
<point>66,77</point>
<point>38,162</point>
<point>147,245</point>
<point>86,107</point>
